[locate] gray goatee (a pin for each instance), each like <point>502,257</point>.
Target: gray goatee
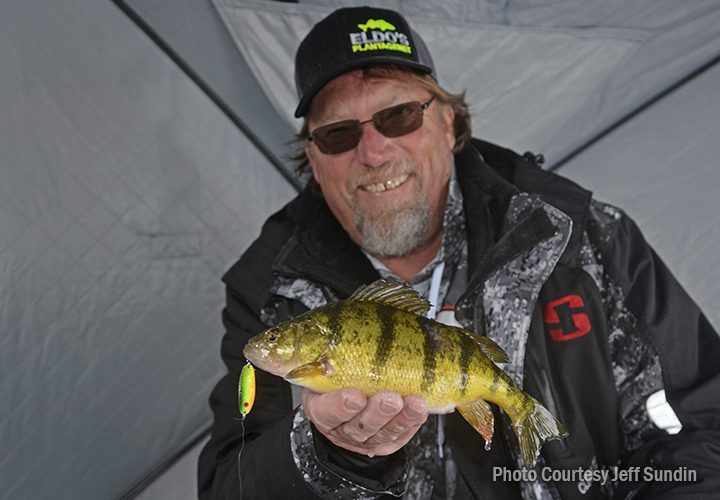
<point>392,230</point>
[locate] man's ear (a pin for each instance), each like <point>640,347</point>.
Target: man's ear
<point>311,159</point>
<point>449,121</point>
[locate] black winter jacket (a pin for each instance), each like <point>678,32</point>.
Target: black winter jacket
<point>593,322</point>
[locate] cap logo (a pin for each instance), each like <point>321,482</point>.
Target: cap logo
<point>378,34</point>
<point>380,24</point>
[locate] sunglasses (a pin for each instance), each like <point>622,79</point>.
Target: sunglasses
<point>395,121</point>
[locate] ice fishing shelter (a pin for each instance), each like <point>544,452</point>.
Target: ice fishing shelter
<point>142,145</point>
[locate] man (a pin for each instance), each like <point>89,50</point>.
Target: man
<point>593,323</point>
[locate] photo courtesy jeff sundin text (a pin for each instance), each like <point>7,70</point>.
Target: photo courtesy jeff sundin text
<point>586,477</point>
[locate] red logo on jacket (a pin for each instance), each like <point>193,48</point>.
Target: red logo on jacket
<point>580,319</point>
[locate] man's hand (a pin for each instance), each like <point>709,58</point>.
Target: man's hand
<point>378,425</point>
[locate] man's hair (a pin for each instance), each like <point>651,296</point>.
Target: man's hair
<point>456,101</point>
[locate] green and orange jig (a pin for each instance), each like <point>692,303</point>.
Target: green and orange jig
<point>246,389</point>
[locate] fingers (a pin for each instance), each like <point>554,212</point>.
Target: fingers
<point>379,412</point>
<point>330,410</point>
<point>403,426</point>
<point>378,425</point>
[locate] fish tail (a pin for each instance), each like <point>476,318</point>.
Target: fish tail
<point>533,428</point>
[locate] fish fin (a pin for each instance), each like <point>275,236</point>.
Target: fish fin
<point>489,347</point>
<point>533,429</point>
<point>480,415</point>
<point>393,293</point>
<point>492,350</point>
<point>318,368</point>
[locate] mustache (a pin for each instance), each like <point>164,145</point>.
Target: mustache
<point>388,170</point>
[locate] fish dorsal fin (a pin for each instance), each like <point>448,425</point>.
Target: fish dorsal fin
<point>492,350</point>
<point>393,293</point>
<point>489,347</point>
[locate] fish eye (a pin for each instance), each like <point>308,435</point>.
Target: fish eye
<point>271,337</point>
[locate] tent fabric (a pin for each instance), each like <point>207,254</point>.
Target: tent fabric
<point>124,196</point>
<point>543,76</point>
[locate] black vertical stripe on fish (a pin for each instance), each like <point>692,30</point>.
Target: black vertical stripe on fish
<point>335,319</point>
<point>495,386</point>
<point>387,335</point>
<point>467,345</point>
<point>431,348</point>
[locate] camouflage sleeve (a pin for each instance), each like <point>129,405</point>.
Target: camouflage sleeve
<point>329,480</point>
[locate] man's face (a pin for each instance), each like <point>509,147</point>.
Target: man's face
<point>388,193</point>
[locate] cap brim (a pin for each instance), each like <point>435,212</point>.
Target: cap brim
<point>312,91</point>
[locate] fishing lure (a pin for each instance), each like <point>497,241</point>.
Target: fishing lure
<point>246,398</point>
<point>246,389</point>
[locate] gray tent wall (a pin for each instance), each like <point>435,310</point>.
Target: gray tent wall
<point>125,193</point>
<point>192,33</point>
<point>127,188</point>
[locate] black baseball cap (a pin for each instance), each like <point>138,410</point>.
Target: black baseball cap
<point>352,38</point>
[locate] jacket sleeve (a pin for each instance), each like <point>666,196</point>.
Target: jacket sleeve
<point>688,349</point>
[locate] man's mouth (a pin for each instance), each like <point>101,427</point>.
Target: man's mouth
<point>384,186</point>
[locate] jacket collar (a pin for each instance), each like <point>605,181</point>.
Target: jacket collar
<point>491,240</point>
<point>524,172</point>
<point>322,250</point>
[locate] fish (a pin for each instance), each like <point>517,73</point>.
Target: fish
<point>379,339</point>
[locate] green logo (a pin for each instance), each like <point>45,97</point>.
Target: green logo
<point>378,34</point>
<point>379,24</point>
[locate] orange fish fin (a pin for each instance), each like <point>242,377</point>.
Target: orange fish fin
<point>480,415</point>
<point>492,350</point>
<point>393,293</point>
<point>318,368</point>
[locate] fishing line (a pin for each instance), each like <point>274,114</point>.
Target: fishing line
<point>242,447</point>
<point>432,314</point>
<point>435,289</point>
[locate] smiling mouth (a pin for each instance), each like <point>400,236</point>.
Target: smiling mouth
<point>384,186</point>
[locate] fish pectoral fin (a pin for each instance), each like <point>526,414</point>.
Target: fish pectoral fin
<point>318,368</point>
<point>480,415</point>
<point>492,350</point>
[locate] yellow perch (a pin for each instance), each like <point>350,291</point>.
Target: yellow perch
<point>379,339</point>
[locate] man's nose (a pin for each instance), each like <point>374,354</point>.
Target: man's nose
<point>372,150</point>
